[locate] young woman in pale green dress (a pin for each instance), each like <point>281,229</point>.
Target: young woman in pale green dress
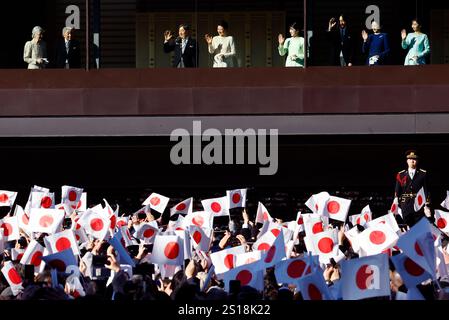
<point>292,47</point>
<point>417,44</point>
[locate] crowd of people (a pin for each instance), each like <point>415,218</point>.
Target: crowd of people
<point>222,47</point>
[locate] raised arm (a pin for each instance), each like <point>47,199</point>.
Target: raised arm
<point>282,47</point>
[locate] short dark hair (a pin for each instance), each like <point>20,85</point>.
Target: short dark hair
<point>224,24</point>
<point>295,26</point>
<point>185,26</point>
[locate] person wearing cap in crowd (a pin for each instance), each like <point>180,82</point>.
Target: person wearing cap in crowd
<point>408,184</point>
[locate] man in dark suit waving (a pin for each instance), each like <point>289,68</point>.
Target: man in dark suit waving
<point>68,51</point>
<point>408,184</point>
<point>341,41</point>
<point>184,46</point>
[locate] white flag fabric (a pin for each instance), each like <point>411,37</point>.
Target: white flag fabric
<point>324,244</point>
<point>314,287</point>
<point>122,221</point>
<point>317,202</point>
<point>218,206</point>
<point>445,203</point>
<point>247,258</point>
<point>200,238</point>
<point>46,220</point>
<point>420,200</point>
<point>22,218</point>
<point>388,219</point>
<point>168,250</point>
<point>248,275</point>
<point>10,226</point>
<point>44,200</point>
<point>70,198</point>
<point>176,225</point>
<point>146,232</point>
<point>363,218</point>
<point>352,236</point>
<point>200,219</point>
<point>262,214</point>
<point>265,242</point>
<point>394,209</point>
<point>62,241</point>
<point>411,273</point>
<point>236,198</point>
<point>61,260</point>
<point>184,207</point>
<point>126,237</point>
<point>17,254</point>
<point>411,245</point>
<point>13,277</point>
<point>442,221</point>
<point>95,223</point>
<point>33,254</point>
<point>224,260</point>
<point>157,202</point>
<point>314,223</point>
<point>337,208</point>
<point>290,270</point>
<point>376,239</point>
<point>275,253</point>
<point>365,277</point>
<point>7,198</point>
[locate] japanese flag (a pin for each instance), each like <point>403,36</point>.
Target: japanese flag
<point>266,240</point>
<point>22,218</point>
<point>290,270</point>
<point>224,260</point>
<point>46,220</point>
<point>10,226</point>
<point>317,202</point>
<point>123,256</point>
<point>362,218</point>
<point>95,223</point>
<point>442,221</point>
<point>13,277</point>
<point>376,239</point>
<point>7,198</point>
<point>415,244</point>
<point>299,224</point>
<point>176,225</point>
<point>352,236</point>
<point>247,258</point>
<point>126,237</point>
<point>236,198</point>
<point>200,238</point>
<point>323,244</point>
<point>262,214</point>
<point>200,219</point>
<point>184,207</point>
<point>445,203</point>
<point>395,207</point>
<point>387,219</point>
<point>248,275</point>
<point>44,200</point>
<point>146,232</point>
<point>365,277</point>
<point>113,216</point>
<point>184,235</point>
<point>61,260</point>
<point>74,287</point>
<point>275,253</point>
<point>62,241</point>
<point>337,208</point>
<point>411,273</point>
<point>157,202</point>
<point>70,198</point>
<point>33,254</point>
<point>168,250</point>
<point>314,224</point>
<point>17,254</point>
<point>314,287</point>
<point>268,225</point>
<point>2,241</point>
<point>420,200</point>
<point>218,206</point>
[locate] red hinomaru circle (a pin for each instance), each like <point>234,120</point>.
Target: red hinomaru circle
<point>314,292</point>
<point>46,221</point>
<point>441,223</point>
<point>171,250</point>
<point>25,219</point>
<point>36,258</point>
<point>148,233</point>
<point>412,268</point>
<point>7,229</point>
<point>358,220</point>
<point>265,216</point>
<point>300,221</point>
<point>46,202</point>
<point>326,245</point>
<point>198,220</point>
<point>244,277</point>
<point>317,228</point>
<point>366,216</point>
<point>377,237</point>
<point>270,254</point>
<point>216,207</point>
<point>96,224</point>
<point>333,207</point>
<point>229,261</point>
<point>393,207</point>
<point>155,201</point>
<point>72,195</point>
<point>264,247</point>
<point>113,221</point>
<point>418,250</point>
<point>236,198</point>
<point>19,256</point>
<point>275,232</point>
<point>420,200</point>
<point>14,276</point>
<point>296,268</point>
<point>197,237</point>
<point>62,244</point>
<point>4,198</point>
<point>181,207</point>
<point>121,223</point>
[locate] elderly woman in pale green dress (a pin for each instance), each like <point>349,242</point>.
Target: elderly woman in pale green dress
<point>35,51</point>
<point>417,44</point>
<point>292,47</point>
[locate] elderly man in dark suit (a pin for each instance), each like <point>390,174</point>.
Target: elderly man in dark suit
<point>68,51</point>
<point>184,46</point>
<point>341,41</point>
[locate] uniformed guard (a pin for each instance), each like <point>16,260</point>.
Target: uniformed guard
<point>408,184</point>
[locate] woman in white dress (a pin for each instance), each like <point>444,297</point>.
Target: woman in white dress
<point>292,47</point>
<point>35,51</point>
<point>222,47</point>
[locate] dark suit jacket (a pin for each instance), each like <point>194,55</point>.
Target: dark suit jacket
<point>74,55</point>
<point>190,53</point>
<point>338,45</point>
